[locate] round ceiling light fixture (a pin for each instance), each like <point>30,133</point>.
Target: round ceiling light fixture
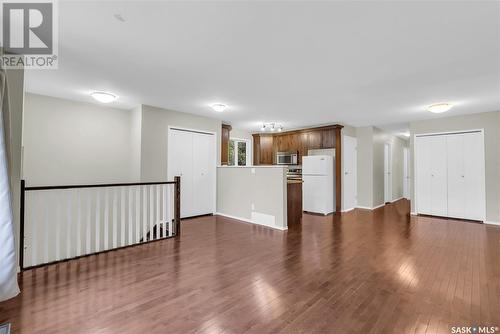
<point>439,107</point>
<point>104,97</point>
<point>219,107</point>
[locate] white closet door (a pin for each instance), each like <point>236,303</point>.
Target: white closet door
<point>473,176</point>
<point>439,176</point>
<point>203,173</point>
<point>181,164</point>
<point>423,174</point>
<point>456,176</point>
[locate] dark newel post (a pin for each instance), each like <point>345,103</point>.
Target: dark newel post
<point>177,204</point>
<point>21,228</point>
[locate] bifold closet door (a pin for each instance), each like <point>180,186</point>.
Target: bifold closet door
<point>456,175</point>
<point>203,173</point>
<point>181,163</point>
<point>465,176</point>
<point>432,176</point>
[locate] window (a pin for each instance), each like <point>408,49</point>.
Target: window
<point>239,152</point>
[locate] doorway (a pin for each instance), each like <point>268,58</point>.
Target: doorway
<point>387,173</point>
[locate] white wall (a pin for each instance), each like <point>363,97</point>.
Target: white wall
<point>266,189</point>
<point>490,122</point>
<point>155,123</point>
<point>67,142</point>
<point>365,166</point>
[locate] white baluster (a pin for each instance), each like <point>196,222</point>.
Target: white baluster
<point>97,220</point>
<point>34,235</point>
<point>137,214</point>
<point>115,217</point>
<point>144,212</point>
<point>87,227</point>
<point>69,224</point>
<point>58,198</point>
<point>158,217</point>
<point>122,217</point>
<point>106,218</point>
<point>151,212</point>
<point>130,229</point>
<point>78,224</point>
<point>164,217</point>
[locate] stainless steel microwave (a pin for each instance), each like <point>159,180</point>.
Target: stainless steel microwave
<point>287,158</point>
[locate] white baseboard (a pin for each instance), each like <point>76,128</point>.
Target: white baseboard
<point>397,199</point>
<point>413,213</point>
<point>492,223</point>
<point>378,206</point>
<point>350,209</point>
<point>246,220</point>
<point>363,207</point>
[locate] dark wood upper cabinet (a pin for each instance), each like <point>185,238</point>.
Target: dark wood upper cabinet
<point>267,145</point>
<point>263,149</point>
<point>328,138</point>
<point>224,150</point>
<point>314,140</point>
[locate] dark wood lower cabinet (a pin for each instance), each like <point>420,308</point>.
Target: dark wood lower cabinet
<point>294,202</point>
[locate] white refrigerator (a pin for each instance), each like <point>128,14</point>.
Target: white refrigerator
<point>318,192</point>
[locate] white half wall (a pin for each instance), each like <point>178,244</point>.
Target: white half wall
<point>253,194</point>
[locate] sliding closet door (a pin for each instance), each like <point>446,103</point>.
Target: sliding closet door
<point>181,163</point>
<point>456,175</point>
<point>473,158</point>
<point>439,191</point>
<point>203,173</point>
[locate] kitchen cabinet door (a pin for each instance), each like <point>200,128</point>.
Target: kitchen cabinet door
<point>314,140</point>
<point>328,138</point>
<point>266,150</point>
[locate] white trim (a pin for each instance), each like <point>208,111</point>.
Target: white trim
<point>427,134</point>
<point>397,199</point>
<point>350,209</point>
<point>492,223</point>
<point>369,208</point>
<point>413,213</point>
<point>217,161</point>
<point>363,207</point>
<point>246,220</point>
<point>415,156</point>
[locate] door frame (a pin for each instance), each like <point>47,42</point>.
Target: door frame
<point>214,167</point>
<point>482,161</point>
<point>406,172</point>
<point>388,196</point>
<point>344,209</point>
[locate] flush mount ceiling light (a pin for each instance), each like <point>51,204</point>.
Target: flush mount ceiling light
<point>219,107</point>
<point>104,97</point>
<point>439,107</point>
<point>271,127</point>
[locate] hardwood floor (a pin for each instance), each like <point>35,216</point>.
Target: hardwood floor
<point>362,272</point>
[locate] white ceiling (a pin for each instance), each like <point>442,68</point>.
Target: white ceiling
<point>296,63</point>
